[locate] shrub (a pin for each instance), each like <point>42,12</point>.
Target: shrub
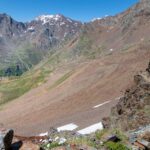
<point>116,146</point>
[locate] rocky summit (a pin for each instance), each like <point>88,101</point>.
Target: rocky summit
<point>29,42</point>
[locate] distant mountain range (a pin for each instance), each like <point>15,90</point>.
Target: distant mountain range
<point>25,44</point>
<point>28,43</point>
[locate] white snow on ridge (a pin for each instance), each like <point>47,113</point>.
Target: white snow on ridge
<point>47,18</point>
<point>91,129</point>
<point>94,19</point>
<point>69,20</point>
<point>68,127</point>
<point>76,24</point>
<point>101,104</point>
<point>62,23</point>
<point>31,28</point>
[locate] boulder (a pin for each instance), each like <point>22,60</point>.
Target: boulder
<point>106,122</point>
<point>148,69</point>
<point>138,79</point>
<point>1,142</point>
<point>6,139</point>
<point>145,86</point>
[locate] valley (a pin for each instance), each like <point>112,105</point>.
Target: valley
<point>76,89</point>
<point>59,73</point>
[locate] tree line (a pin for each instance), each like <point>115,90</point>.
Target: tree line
<point>12,71</point>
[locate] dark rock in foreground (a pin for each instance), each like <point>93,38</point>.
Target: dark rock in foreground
<point>132,110</point>
<point>6,139</point>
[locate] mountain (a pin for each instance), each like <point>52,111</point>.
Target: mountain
<point>27,43</point>
<point>132,110</point>
<point>83,77</point>
<point>121,31</point>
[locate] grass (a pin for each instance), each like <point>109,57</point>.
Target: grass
<point>120,135</point>
<point>99,134</point>
<point>82,141</point>
<point>50,146</point>
<point>95,140</point>
<point>62,79</point>
<point>16,87</point>
<point>147,110</point>
<point>19,86</point>
<point>116,146</point>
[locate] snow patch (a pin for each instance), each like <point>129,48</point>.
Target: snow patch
<point>69,20</point>
<point>47,18</point>
<point>31,28</point>
<point>91,129</point>
<point>95,19</point>
<point>65,34</point>
<point>101,104</point>
<point>111,49</point>
<point>62,141</point>
<point>43,134</point>
<point>68,127</point>
<point>62,23</point>
<point>76,24</point>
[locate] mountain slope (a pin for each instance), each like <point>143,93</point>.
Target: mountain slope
<point>132,111</point>
<point>72,91</point>
<point>28,43</point>
<point>121,31</point>
<point>88,70</point>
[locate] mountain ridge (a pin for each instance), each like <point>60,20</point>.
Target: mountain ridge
<point>92,67</point>
<point>34,38</point>
<point>26,44</point>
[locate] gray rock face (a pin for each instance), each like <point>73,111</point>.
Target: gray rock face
<point>148,69</point>
<point>130,112</point>
<point>6,140</point>
<point>30,42</point>
<point>1,142</point>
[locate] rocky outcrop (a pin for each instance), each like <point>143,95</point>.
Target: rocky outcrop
<point>132,110</point>
<point>6,138</point>
<point>10,142</point>
<point>148,69</point>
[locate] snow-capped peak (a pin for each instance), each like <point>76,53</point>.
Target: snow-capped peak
<point>94,19</point>
<point>47,18</point>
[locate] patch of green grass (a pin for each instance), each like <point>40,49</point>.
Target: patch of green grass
<point>62,79</point>
<point>120,135</point>
<point>19,86</point>
<point>116,146</point>
<point>81,141</point>
<point>100,134</point>
<point>50,145</point>
<point>147,110</point>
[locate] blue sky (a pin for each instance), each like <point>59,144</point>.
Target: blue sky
<point>83,10</point>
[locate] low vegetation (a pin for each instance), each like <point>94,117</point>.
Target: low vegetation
<point>116,146</point>
<point>17,86</point>
<point>62,79</point>
<point>97,140</point>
